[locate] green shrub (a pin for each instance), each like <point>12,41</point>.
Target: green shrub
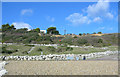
<point>61,49</point>
<point>39,49</point>
<point>75,36</point>
<point>81,41</point>
<point>8,51</point>
<point>29,45</point>
<point>106,44</point>
<point>99,32</point>
<point>51,49</point>
<point>98,45</point>
<point>69,48</point>
<point>25,52</point>
<point>87,44</point>
<point>68,40</point>
<point>100,41</point>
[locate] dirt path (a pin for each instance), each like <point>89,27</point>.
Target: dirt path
<point>62,68</point>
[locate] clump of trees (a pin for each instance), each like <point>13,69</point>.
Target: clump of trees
<point>99,32</point>
<point>12,35</point>
<point>83,34</point>
<point>59,49</point>
<point>52,30</point>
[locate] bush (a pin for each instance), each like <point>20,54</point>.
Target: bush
<point>80,34</point>
<point>69,48</point>
<point>39,49</point>
<point>98,45</point>
<point>75,36</point>
<point>87,44</point>
<point>25,52</point>
<point>81,41</point>
<point>100,41</point>
<point>29,45</point>
<point>51,49</point>
<point>99,32</point>
<point>68,40</point>
<point>106,44</point>
<point>63,49</point>
<point>8,51</point>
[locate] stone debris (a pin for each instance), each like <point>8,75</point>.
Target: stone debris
<point>59,57</point>
<point>2,70</point>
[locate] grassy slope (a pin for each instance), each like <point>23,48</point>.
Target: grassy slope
<point>23,49</point>
<point>74,51</point>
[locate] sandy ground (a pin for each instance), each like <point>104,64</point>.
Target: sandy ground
<point>62,68</point>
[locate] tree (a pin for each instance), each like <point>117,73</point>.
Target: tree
<point>22,30</point>
<point>84,34</point>
<point>80,34</point>
<point>87,33</point>
<point>38,30</point>
<point>5,27</point>
<point>12,27</point>
<point>52,30</point>
<point>99,32</point>
<point>55,32</point>
<point>94,32</point>
<point>35,30</point>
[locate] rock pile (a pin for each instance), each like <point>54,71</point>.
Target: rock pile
<point>2,70</point>
<point>59,57</point>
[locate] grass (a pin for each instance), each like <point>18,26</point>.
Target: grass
<point>22,49</point>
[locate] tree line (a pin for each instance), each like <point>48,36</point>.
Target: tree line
<point>7,27</point>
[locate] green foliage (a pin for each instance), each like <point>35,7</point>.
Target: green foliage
<point>87,33</point>
<point>84,34</point>
<point>106,44</point>
<point>80,34</point>
<point>63,49</point>
<point>36,30</point>
<point>82,41</point>
<point>67,40</point>
<point>75,36</point>
<point>99,32</point>
<point>7,27</point>
<point>52,30</point>
<point>39,49</point>
<point>94,32</point>
<point>100,41</point>
<point>4,51</point>
<point>29,45</point>
<point>50,49</point>
<point>69,48</point>
<point>22,30</point>
<point>87,44</point>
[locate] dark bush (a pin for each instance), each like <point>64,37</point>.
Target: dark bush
<point>51,49</point>
<point>39,49</point>
<point>29,45</point>
<point>100,41</point>
<point>8,51</point>
<point>69,48</point>
<point>81,41</point>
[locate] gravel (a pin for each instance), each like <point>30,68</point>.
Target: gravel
<point>62,68</point>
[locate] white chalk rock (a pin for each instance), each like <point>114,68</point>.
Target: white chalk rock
<point>3,72</point>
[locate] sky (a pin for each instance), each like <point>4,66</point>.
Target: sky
<point>74,17</point>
